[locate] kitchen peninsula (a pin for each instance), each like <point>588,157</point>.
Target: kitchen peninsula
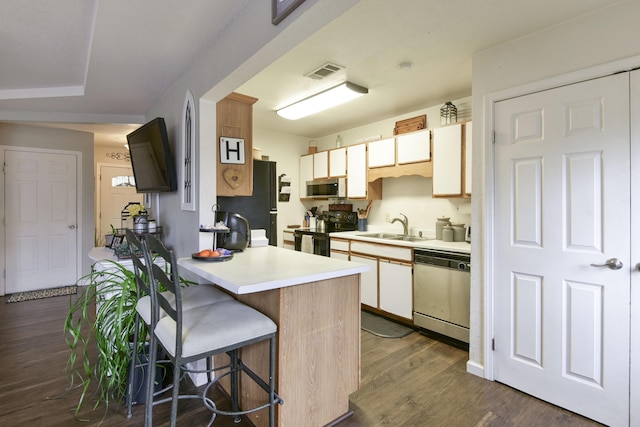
<point>315,301</point>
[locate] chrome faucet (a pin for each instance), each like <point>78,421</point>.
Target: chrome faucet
<point>405,224</point>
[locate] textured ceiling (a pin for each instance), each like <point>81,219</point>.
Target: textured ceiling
<point>46,47</point>
<point>374,37</point>
<point>90,61</point>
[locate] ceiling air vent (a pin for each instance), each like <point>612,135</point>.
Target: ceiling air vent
<point>324,71</point>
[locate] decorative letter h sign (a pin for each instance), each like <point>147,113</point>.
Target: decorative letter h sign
<point>231,150</point>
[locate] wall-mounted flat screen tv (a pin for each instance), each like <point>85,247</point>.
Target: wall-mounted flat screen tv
<point>153,166</point>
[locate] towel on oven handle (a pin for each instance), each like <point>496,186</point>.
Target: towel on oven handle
<point>307,244</point>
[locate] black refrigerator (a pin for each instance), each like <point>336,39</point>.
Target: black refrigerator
<point>261,208</point>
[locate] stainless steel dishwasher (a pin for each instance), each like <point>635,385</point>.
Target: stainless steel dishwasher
<point>441,291</point>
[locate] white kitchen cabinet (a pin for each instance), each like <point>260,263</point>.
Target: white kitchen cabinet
<point>339,248</point>
<point>368,280</point>
<point>393,277</point>
<point>401,253</point>
<point>468,149</point>
<point>321,165</point>
<point>396,288</point>
<point>340,255</point>
<point>338,162</point>
<point>306,173</point>
<point>447,161</point>
<point>382,153</point>
<point>414,147</point>
<point>339,244</point>
<point>357,171</point>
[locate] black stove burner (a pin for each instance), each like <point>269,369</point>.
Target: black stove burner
<point>339,221</point>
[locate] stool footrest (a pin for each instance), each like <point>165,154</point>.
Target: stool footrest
<point>277,400</point>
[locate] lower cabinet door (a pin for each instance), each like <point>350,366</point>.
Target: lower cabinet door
<point>340,255</point>
<point>368,281</point>
<point>396,288</point>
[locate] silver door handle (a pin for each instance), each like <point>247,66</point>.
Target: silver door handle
<point>73,227</point>
<point>613,263</point>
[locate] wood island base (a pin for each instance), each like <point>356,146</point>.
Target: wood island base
<point>318,352</point>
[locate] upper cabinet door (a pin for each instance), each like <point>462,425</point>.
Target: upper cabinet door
<point>382,153</point>
<point>321,165</point>
<point>338,162</point>
<point>414,147</point>
<point>447,161</point>
<point>357,171</point>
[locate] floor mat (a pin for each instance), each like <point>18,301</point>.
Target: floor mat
<point>382,327</point>
<point>42,293</point>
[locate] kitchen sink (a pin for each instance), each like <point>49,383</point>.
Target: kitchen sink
<point>411,238</point>
<point>393,236</point>
<point>381,235</point>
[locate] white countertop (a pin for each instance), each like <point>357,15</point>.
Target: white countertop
<point>266,268</point>
<point>462,247</point>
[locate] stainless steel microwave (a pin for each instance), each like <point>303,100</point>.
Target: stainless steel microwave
<point>326,188</point>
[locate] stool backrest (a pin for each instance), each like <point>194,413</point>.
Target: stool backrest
<point>142,271</point>
<point>171,282</point>
<point>139,268</point>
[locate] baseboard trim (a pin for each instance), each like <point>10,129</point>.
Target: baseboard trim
<point>475,369</point>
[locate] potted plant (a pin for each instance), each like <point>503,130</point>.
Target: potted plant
<point>114,293</point>
<point>138,215</point>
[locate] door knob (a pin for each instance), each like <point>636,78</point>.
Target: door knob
<point>73,227</point>
<point>613,263</point>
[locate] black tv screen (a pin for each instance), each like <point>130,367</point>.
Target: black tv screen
<point>153,166</point>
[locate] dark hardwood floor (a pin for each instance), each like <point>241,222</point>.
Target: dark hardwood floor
<point>413,381</point>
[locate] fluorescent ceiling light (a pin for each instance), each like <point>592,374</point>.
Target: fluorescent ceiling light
<point>322,101</point>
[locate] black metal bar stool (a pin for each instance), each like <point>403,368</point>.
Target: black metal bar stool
<point>192,297</point>
<point>190,335</point>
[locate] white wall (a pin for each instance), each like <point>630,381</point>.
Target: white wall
<point>599,43</point>
<point>117,155</point>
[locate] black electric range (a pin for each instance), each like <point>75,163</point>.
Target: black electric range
<point>319,243</point>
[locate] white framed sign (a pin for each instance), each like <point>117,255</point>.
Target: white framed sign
<point>232,150</point>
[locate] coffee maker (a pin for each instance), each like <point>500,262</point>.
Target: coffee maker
<point>239,235</point>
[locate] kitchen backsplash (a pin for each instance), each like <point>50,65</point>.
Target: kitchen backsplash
<point>410,195</point>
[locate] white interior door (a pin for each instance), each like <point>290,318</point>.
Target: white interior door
<point>41,220</point>
<point>635,247</point>
<point>115,194</point>
<point>562,182</point>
